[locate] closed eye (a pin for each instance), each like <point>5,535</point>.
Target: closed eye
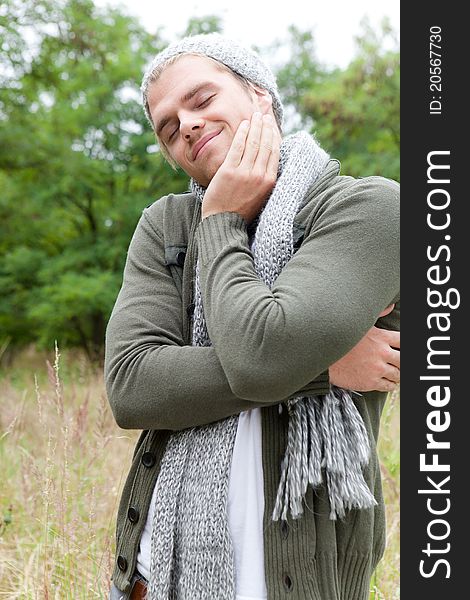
<point>205,102</point>
<point>172,135</point>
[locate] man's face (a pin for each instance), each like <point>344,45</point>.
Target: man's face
<point>196,109</point>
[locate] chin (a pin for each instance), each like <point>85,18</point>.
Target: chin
<point>210,174</point>
<point>213,164</point>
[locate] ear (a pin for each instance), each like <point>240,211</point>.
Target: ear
<point>263,98</point>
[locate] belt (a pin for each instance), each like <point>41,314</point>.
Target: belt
<point>139,591</point>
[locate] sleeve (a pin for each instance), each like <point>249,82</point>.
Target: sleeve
<point>153,380</point>
<point>272,342</point>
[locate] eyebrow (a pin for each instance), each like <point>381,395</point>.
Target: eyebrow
<point>185,98</point>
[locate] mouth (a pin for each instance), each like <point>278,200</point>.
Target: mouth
<point>202,142</point>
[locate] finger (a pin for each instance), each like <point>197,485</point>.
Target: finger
<point>273,163</point>
<point>252,142</point>
<point>237,148</point>
<point>387,311</point>
<point>387,386</point>
<point>392,374</point>
<point>393,339</point>
<point>393,357</point>
<point>265,146</point>
<point>387,336</point>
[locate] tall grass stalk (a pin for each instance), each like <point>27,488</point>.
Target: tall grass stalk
<point>63,463</point>
<point>385,584</point>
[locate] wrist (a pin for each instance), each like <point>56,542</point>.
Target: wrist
<point>218,231</point>
<point>210,211</point>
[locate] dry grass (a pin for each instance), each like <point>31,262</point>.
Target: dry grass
<point>385,584</point>
<point>63,462</point>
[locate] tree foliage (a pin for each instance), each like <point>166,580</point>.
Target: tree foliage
<point>302,71</point>
<point>78,161</point>
<point>355,112</point>
<point>77,165</point>
<point>207,24</point>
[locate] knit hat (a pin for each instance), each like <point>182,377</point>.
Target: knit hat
<point>239,59</point>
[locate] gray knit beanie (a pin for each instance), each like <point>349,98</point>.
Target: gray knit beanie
<point>241,60</point>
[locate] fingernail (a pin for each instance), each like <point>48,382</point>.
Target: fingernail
<point>267,118</point>
<point>257,116</point>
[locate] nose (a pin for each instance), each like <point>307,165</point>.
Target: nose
<point>190,125</point>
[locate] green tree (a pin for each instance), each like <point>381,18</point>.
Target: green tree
<point>302,70</point>
<point>206,24</point>
<point>356,111</point>
<point>78,163</point>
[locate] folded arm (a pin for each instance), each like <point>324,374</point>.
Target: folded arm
<point>154,380</point>
<point>271,342</point>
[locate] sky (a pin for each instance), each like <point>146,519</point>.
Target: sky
<point>334,23</point>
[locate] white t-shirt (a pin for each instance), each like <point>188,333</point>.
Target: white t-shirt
<point>245,512</point>
<point>246,508</point>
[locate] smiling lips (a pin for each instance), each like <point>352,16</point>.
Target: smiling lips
<point>202,142</point>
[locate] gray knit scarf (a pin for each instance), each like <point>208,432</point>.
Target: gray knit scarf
<point>191,549</point>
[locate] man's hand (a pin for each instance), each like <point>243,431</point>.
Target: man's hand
<point>248,174</point>
<point>373,363</point>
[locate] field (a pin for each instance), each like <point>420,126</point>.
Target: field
<point>63,461</point>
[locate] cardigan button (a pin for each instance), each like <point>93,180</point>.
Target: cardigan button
<point>121,563</point>
<point>284,530</point>
<point>288,583</point>
<point>148,459</point>
<point>180,258</point>
<point>133,514</point>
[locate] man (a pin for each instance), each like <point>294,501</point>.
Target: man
<point>246,314</point>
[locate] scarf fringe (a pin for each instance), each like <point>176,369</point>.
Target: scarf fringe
<point>324,433</point>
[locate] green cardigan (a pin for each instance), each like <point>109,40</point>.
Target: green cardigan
<point>268,345</point>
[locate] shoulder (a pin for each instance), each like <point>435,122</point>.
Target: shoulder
<point>335,191</point>
<point>353,208</point>
<point>179,205</point>
<point>374,189</point>
<point>377,197</point>
<point>171,216</point>
<point>374,198</point>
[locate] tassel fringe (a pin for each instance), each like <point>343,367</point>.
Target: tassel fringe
<point>324,433</point>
